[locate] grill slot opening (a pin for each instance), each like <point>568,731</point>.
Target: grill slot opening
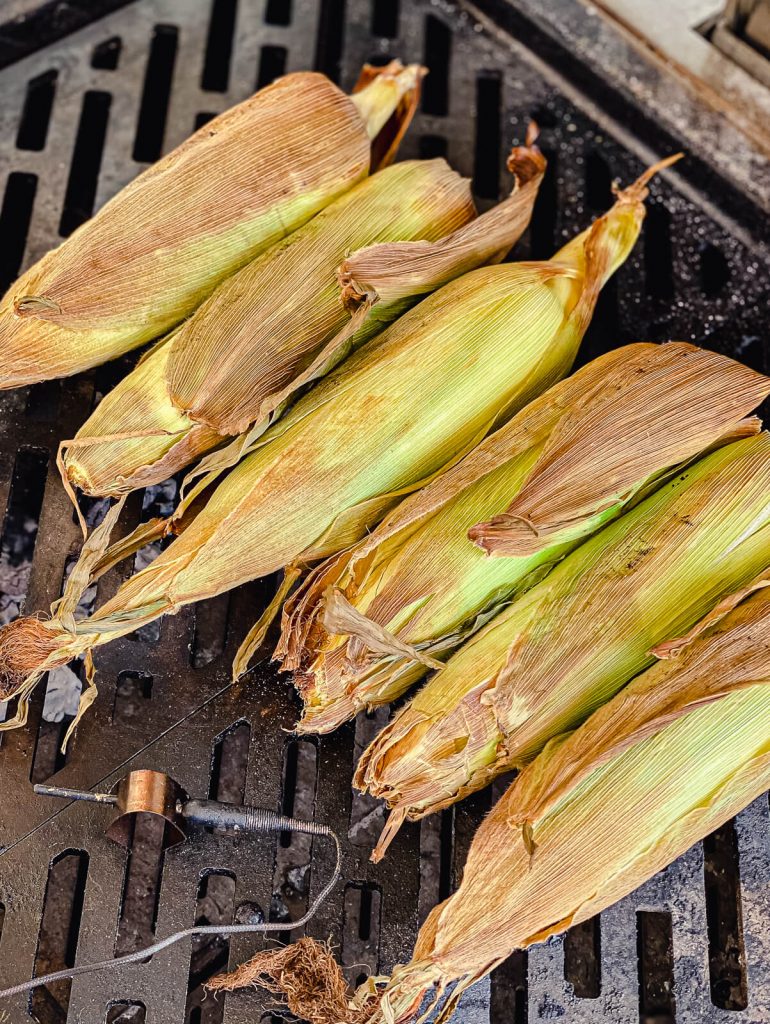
<point>106,56</point>
<point>727,956</point>
<point>126,1013</point>
<point>15,217</point>
<point>658,255</point>
<point>486,173</point>
<point>436,57</point>
<point>293,855</point>
<point>203,118</point>
<point>367,814</point>
<point>230,763</point>
<point>446,855</point>
<point>86,161</point>
<point>278,12</point>
<point>62,693</point>
<point>132,692</point>
<point>153,110</point>
<point>714,270</point>
<point>542,226</point>
<point>655,953</point>
<point>219,46</point>
<point>36,115</point>
<point>43,401</point>
<point>210,630</point>
<point>330,40</point>
<point>272,64</point>
<point>598,182</point>
<point>582,958</point>
<point>385,15</point>
<point>20,528</point>
<point>361,931</point>
<point>508,1003</point>
<point>58,935</point>
<point>210,953</point>
<point>141,885</point>
<point>431,146</point>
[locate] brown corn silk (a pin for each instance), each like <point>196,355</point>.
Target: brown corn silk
<point>571,642</point>
<point>159,247</point>
<point>404,407</point>
<point>370,621</point>
<point>278,324</point>
<point>685,745</point>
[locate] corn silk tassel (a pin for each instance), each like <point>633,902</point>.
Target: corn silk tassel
<point>402,409</point>
<point>160,246</point>
<point>678,752</point>
<point>278,324</point>
<point>369,622</point>
<point>571,642</point>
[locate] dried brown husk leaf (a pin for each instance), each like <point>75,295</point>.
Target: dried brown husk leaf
<point>682,385</point>
<point>154,251</point>
<point>393,271</point>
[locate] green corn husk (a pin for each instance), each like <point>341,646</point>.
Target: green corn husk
<point>674,755</point>
<point>402,409</point>
<point>679,751</point>
<point>159,247</point>
<point>564,648</point>
<point>279,323</point>
<point>369,622</point>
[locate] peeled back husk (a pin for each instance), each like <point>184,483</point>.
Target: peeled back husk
<point>403,408</point>
<point>278,323</point>
<point>568,645</point>
<point>369,622</point>
<point>159,247</point>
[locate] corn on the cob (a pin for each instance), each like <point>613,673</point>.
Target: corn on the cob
<point>369,622</point>
<point>674,755</point>
<point>278,323</point>
<point>403,408</point>
<point>545,663</point>
<point>685,745</point>
<point>155,251</point>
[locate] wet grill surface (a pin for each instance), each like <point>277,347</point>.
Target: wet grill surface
<point>78,119</point>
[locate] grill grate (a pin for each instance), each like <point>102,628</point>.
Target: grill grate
<point>80,117</point>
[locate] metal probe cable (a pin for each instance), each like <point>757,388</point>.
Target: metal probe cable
<point>261,820</point>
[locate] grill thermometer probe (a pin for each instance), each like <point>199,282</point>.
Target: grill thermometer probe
<point>151,792</point>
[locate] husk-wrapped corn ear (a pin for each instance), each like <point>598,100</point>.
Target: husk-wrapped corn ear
<point>685,745</point>
<point>278,323</point>
<point>153,253</point>
<point>371,620</point>
<point>679,751</point>
<point>403,408</point>
<point>566,646</point>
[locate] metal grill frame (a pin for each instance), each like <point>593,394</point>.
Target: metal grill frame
<point>191,708</point>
